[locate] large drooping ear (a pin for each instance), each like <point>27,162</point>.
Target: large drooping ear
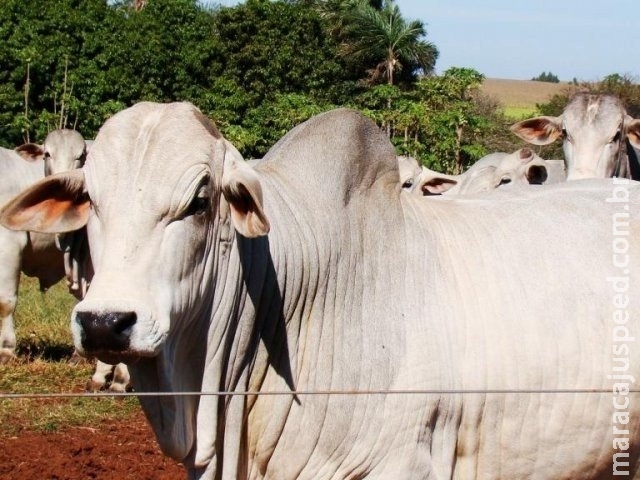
<point>632,126</point>
<point>539,130</point>
<point>30,152</point>
<point>241,188</point>
<point>56,204</point>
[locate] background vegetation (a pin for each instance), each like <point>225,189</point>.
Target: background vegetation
<point>257,69</point>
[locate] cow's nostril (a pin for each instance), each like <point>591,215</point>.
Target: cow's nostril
<point>106,331</point>
<point>123,320</point>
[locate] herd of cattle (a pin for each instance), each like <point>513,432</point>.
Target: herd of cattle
<point>334,265</point>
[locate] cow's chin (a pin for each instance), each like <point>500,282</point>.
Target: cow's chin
<point>113,358</point>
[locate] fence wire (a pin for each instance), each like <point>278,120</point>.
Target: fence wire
<point>295,393</point>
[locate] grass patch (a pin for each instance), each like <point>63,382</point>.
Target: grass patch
<point>515,112</point>
<point>52,414</point>
<point>42,321</point>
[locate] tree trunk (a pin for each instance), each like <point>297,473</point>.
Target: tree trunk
<point>457,169</point>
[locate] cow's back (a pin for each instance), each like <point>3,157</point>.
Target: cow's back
<point>524,292</point>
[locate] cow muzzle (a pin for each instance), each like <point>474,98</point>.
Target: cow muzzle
<point>105,332</point>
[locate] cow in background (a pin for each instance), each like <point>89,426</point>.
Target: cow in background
<point>598,137</point>
<point>47,257</point>
<point>490,172</point>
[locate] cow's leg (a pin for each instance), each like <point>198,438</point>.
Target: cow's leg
<point>10,258</point>
<point>99,378</point>
<point>121,378</point>
<point>8,334</point>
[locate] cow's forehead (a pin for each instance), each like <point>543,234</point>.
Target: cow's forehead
<point>602,113</point>
<point>144,153</point>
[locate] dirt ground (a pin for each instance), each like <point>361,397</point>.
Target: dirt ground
<point>120,450</point>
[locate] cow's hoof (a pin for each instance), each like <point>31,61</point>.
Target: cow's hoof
<point>6,355</point>
<point>116,387</point>
<point>93,386</point>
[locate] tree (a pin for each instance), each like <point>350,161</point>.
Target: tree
<point>386,38</point>
<point>273,54</point>
<point>546,77</point>
<point>454,118</point>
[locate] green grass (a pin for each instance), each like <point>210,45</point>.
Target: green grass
<point>44,348</point>
<point>42,320</point>
<point>520,112</point>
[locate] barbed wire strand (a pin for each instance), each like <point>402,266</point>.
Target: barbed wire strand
<point>17,396</point>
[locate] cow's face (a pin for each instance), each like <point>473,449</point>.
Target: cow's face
<point>521,167</point>
<point>593,129</point>
<point>62,150</point>
<point>151,199</point>
<point>593,136</point>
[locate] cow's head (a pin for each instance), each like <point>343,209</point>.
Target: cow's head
<point>520,167</point>
<point>493,171</point>
<point>62,150</point>
<point>593,129</point>
<point>160,185</point>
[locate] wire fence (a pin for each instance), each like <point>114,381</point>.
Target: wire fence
<point>15,396</point>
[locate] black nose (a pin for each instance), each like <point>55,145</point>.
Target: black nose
<point>105,331</point>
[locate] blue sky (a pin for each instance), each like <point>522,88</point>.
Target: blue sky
<point>585,39</point>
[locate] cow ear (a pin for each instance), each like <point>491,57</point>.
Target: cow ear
<point>30,152</point>
<point>539,130</point>
<point>632,126</point>
<point>437,185</point>
<point>241,188</point>
<point>56,204</point>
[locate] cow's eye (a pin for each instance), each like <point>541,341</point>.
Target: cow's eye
<point>616,137</point>
<point>47,155</point>
<point>504,181</point>
<point>198,206</point>
<point>408,184</point>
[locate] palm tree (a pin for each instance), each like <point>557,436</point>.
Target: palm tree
<point>385,37</point>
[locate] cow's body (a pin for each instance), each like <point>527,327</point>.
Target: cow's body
<point>35,254</point>
<point>357,287</point>
<point>597,133</point>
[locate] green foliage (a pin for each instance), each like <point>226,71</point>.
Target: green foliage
<point>257,69</point>
<point>86,59</point>
<point>384,40</point>
<point>272,55</point>
<point>546,77</point>
<point>438,121</point>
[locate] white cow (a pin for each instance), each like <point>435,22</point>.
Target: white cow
<point>488,173</point>
<point>597,133</point>
<point>34,254</point>
<point>39,255</point>
<point>313,272</point>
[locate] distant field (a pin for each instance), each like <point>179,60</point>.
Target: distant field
<point>519,97</point>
